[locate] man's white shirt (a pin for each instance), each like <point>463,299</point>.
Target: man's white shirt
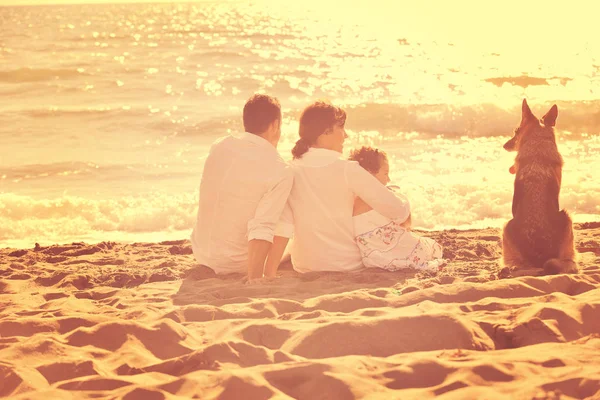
<point>244,188</point>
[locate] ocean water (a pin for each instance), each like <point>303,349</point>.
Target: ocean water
<point>107,111</point>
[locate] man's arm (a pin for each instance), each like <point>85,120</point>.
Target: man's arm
<point>257,252</point>
<point>261,228</point>
<point>275,254</point>
<point>283,233</point>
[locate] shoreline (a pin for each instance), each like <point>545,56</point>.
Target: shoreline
<point>433,233</point>
<point>182,235</point>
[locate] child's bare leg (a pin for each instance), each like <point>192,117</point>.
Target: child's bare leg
<point>407,224</point>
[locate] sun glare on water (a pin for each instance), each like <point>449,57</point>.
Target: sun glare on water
<point>435,84</point>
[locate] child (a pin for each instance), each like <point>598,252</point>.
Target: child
<point>386,243</point>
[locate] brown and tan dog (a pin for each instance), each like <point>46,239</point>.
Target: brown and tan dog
<point>540,235</point>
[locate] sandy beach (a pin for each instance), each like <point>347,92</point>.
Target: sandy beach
<point>142,321</point>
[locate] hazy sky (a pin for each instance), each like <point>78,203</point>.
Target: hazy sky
<point>47,2</point>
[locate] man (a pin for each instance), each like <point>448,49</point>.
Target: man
<point>244,187</point>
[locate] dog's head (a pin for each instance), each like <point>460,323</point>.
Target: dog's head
<point>530,125</point>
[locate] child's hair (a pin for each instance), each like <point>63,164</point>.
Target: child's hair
<point>369,158</point>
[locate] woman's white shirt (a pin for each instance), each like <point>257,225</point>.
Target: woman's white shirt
<point>318,213</point>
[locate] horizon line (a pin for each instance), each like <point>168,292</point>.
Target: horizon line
<point>36,3</point>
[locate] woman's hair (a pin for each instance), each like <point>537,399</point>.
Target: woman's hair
<point>369,158</point>
<point>315,120</point>
<point>259,112</point>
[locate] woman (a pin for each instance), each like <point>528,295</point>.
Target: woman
<point>383,242</point>
<point>319,208</point>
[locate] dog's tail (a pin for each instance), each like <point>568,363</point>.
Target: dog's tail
<point>557,266</point>
<point>565,262</point>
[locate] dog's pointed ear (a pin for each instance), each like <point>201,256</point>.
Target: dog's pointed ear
<point>550,118</point>
<point>526,113</point>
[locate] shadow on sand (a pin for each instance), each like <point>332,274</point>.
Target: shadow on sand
<point>202,286</point>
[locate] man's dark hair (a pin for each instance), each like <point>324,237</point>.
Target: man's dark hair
<point>259,112</point>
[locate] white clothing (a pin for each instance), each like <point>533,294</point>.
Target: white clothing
<point>385,243</point>
<point>244,188</point>
<point>319,210</point>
